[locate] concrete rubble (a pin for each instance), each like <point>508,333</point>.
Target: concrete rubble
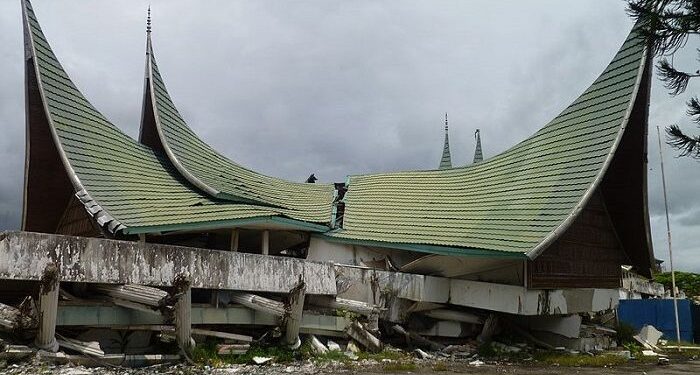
<point>157,311</point>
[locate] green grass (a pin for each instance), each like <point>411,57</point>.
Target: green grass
<point>330,356</point>
<point>394,355</point>
<point>399,367</point>
<point>440,366</point>
<point>206,354</point>
<point>579,360</point>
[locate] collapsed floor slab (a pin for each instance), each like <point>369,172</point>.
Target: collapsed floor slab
<point>24,255</point>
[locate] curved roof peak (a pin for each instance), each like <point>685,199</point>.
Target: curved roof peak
<point>125,186</point>
<point>164,128</point>
<point>524,198</point>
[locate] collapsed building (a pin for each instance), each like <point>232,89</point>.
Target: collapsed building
<point>165,234</point>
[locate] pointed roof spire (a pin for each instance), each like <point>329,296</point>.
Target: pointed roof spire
<point>478,154</point>
<point>446,161</point>
<point>148,20</point>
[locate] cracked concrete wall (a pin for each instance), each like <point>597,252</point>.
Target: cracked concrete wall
<point>24,256</point>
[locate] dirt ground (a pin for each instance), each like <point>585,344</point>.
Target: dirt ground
<point>677,368</point>
<point>686,368</point>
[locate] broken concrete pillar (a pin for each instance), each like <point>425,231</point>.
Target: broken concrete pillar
<point>258,303</point>
<point>265,242</point>
<point>183,313</point>
<point>361,335</point>
<point>235,237</point>
<point>12,319</point>
<point>317,345</point>
<point>294,310</point>
<point>48,308</point>
<point>414,338</point>
<point>359,307</point>
<point>136,297</point>
<point>490,328</point>
<point>141,294</point>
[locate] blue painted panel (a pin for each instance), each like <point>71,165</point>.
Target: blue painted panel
<point>659,313</point>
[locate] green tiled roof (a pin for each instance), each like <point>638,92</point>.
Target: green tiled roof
<point>218,176</point>
<point>125,185</point>
<point>512,202</point>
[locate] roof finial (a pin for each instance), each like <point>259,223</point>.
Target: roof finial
<point>148,20</point>
<point>446,160</point>
<point>478,153</point>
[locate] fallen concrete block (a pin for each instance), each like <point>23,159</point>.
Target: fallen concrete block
<point>224,349</point>
<point>422,354</point>
<point>16,352</point>
<point>261,360</point>
<point>414,338</point>
<point>352,347</point>
<point>649,337</point>
<point>141,294</point>
<point>333,346</point>
<point>366,339</point>
<point>222,335</point>
<point>12,319</point>
<point>317,345</point>
<point>91,348</point>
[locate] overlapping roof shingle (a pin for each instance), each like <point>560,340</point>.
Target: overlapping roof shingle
<point>126,185</point>
<point>220,177</point>
<point>511,202</point>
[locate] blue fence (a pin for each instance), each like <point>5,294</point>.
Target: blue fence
<point>659,313</point>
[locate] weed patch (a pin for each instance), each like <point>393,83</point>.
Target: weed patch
<point>579,360</point>
<point>399,367</point>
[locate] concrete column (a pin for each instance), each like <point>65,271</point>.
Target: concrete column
<point>235,235</point>
<point>295,309</point>
<point>266,242</point>
<point>259,303</point>
<point>48,307</point>
<point>183,313</point>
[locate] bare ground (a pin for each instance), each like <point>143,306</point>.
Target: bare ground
<point>675,368</point>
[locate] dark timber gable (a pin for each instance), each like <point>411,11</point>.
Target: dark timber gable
<point>47,188</point>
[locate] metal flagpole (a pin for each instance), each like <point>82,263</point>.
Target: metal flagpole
<point>670,252</point>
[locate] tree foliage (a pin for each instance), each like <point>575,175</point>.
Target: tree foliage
<point>667,25</point>
<point>686,281</point>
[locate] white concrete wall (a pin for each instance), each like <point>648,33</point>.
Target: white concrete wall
<point>353,255</point>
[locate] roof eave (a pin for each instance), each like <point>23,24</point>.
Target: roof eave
<point>232,223</point>
<point>424,248</point>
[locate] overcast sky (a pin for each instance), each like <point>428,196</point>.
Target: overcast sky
<point>346,87</point>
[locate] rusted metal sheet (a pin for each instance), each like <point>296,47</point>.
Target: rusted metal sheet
<point>24,255</point>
